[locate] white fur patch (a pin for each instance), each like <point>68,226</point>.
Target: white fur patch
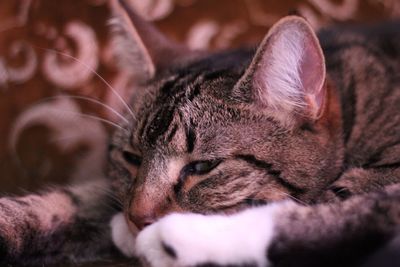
<point>123,239</point>
<point>281,78</point>
<point>196,239</point>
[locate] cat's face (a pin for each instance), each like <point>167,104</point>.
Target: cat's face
<point>216,133</point>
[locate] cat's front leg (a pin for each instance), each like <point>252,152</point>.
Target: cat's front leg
<point>217,240</point>
<point>282,234</point>
<point>26,223</point>
<point>58,225</point>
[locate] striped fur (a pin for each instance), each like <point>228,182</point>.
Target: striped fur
<point>216,133</point>
<point>57,225</point>
<point>340,142</point>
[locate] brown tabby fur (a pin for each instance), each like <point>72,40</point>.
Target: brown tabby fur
<point>352,148</point>
<point>194,106</point>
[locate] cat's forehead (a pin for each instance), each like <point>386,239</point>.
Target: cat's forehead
<point>213,74</point>
<point>180,103</point>
<point>186,93</point>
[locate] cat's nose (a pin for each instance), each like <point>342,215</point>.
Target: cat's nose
<point>143,212</point>
<point>141,221</point>
<point>146,208</point>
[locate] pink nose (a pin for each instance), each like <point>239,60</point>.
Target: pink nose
<point>141,220</point>
<point>143,212</point>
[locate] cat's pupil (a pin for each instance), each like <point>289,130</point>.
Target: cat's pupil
<point>131,158</point>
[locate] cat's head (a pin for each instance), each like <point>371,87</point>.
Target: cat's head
<point>218,132</point>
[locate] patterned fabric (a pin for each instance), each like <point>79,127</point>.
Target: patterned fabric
<point>62,48</point>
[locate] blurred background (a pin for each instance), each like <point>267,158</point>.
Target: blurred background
<point>62,48</point>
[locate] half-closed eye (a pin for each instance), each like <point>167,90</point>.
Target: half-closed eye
<point>201,167</point>
<point>131,158</point>
<point>195,168</point>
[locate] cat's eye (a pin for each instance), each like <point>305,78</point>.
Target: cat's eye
<point>131,158</point>
<point>195,168</point>
<point>203,167</point>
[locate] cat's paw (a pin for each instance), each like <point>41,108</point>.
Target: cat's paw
<point>121,235</point>
<point>180,240</point>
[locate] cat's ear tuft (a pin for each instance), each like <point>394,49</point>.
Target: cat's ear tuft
<point>141,49</point>
<point>287,74</point>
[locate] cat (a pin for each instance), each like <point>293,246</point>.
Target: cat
<point>284,155</point>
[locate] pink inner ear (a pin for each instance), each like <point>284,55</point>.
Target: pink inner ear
<point>312,73</point>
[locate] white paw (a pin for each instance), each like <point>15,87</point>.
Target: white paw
<point>123,239</point>
<point>180,240</point>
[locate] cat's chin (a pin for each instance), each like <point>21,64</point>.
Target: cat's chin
<point>123,236</point>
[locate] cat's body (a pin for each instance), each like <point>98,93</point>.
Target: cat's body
<point>364,67</point>
<point>212,133</point>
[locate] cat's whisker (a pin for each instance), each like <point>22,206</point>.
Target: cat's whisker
<point>84,114</point>
<point>291,197</point>
<point>114,111</point>
<point>113,90</point>
<point>112,204</point>
<point>115,199</point>
<point>98,119</point>
<point>112,195</point>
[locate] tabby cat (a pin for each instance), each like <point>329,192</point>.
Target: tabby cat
<point>287,155</point>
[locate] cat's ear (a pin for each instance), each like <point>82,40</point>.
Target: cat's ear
<point>141,49</point>
<point>287,74</point>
